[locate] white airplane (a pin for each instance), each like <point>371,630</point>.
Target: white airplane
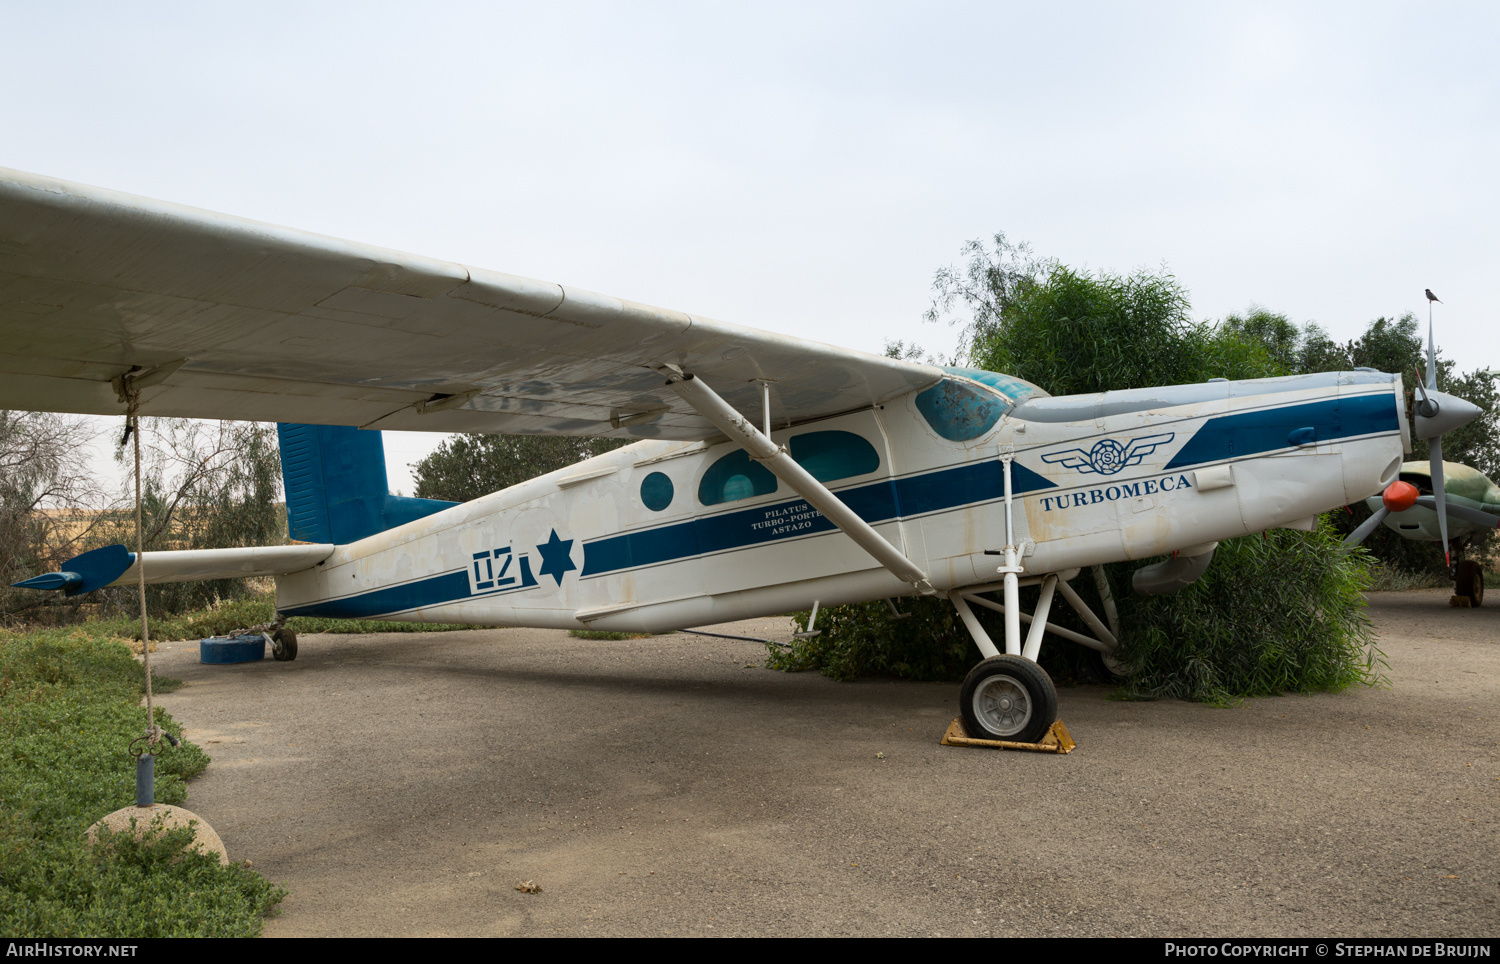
<point>772,474</point>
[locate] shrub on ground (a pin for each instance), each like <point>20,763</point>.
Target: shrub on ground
<point>70,704</point>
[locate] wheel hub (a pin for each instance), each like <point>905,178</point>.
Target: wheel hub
<point>1002,705</point>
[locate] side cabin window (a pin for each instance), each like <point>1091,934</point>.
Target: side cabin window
<point>959,410</point>
<point>735,476</point>
<point>829,456</point>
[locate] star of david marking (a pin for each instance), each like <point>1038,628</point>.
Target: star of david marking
<point>557,557</point>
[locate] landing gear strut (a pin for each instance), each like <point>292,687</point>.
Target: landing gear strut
<point>1009,697</point>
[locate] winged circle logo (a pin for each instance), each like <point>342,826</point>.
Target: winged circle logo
<point>1108,456</point>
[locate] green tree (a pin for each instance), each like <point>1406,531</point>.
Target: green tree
<point>204,485</point>
<point>465,467</point>
<point>46,492</point>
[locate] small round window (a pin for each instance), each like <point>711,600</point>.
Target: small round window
<point>656,491</point>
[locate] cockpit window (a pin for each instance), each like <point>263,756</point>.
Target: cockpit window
<point>960,410</point>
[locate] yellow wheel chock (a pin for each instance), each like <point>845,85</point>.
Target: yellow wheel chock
<point>1057,740</point>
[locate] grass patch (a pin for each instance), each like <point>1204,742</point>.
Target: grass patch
<point>239,613</point>
<point>1384,578</point>
<point>69,707</point>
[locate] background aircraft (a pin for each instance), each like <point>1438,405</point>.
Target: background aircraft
<point>772,474</point>
<point>1473,508</point>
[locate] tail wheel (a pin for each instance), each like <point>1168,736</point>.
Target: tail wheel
<point>1008,698</point>
<point>284,645</point>
<point>1468,580</point>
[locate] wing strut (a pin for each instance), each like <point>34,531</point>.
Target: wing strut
<point>707,403</point>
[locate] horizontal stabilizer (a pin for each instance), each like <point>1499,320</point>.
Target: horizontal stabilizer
<point>115,566</point>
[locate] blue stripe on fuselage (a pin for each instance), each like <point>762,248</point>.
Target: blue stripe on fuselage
<point>875,502</point>
<point>1267,430</point>
<point>420,593</point>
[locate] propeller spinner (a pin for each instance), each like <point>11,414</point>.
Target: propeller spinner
<point>1398,497</point>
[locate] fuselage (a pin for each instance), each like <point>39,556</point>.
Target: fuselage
<point>665,535</point>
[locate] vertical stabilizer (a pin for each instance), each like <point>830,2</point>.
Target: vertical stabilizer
<point>336,488</point>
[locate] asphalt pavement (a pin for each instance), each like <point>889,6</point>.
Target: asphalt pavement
<point>405,784</point>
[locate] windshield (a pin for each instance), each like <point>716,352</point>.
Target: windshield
<point>964,408</point>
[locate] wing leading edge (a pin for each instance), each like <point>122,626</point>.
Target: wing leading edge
<point>235,319</point>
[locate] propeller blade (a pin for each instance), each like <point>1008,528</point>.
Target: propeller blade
<point>1431,356</point>
<point>1366,527</point>
<point>1439,496</point>
<point>1472,516</point>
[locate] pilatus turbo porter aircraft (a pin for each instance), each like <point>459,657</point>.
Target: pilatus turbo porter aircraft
<point>772,473</point>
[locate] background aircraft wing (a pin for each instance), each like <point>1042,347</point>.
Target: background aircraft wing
<point>228,318</point>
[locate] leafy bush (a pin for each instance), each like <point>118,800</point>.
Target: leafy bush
<point>929,642</point>
<point>69,708</point>
<point>1280,612</point>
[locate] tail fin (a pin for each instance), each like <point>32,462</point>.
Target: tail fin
<point>336,489</point>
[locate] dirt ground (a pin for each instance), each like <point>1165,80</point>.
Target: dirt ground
<point>404,784</point>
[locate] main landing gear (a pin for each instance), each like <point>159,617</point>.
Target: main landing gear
<point>1468,580</point>
<point>1008,696</point>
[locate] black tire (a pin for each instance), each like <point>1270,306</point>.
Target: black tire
<point>284,645</point>
<point>1469,581</point>
<point>1008,698</point>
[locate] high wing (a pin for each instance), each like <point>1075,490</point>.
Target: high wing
<point>221,317</point>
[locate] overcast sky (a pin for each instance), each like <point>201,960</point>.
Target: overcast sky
<point>805,168</point>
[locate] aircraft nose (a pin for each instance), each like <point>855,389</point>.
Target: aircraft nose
<point>1451,412</point>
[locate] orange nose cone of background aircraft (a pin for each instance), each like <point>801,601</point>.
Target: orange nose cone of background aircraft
<point>1400,496</point>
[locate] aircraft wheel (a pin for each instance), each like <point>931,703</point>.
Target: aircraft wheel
<point>284,645</point>
<point>1008,698</point>
<point>1469,581</point>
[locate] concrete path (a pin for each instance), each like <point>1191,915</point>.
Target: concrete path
<point>405,784</point>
